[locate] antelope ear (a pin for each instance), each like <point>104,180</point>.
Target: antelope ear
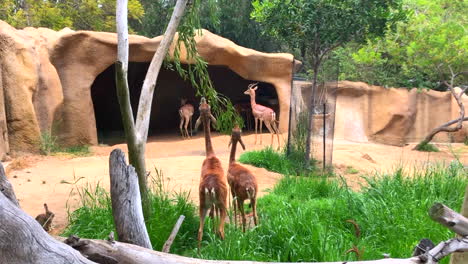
<point>242,143</point>
<point>213,119</point>
<point>197,124</point>
<point>255,88</point>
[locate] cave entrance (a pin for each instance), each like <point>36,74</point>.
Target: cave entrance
<point>166,101</point>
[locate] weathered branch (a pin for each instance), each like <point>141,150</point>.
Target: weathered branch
<point>444,249</point>
<point>6,188</point>
<point>131,254</point>
<point>126,202</point>
<point>459,121</point>
<point>23,240</point>
<point>167,245</point>
<point>449,218</point>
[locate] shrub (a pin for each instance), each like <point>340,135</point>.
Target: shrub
<point>427,147</point>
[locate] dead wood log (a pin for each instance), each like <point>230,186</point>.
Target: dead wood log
<point>126,202</point>
<point>6,188</point>
<point>449,218</point>
<point>23,240</point>
<point>131,254</point>
<point>167,245</point>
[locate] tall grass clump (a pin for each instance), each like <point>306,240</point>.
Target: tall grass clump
<point>426,147</point>
<point>48,145</point>
<point>278,161</point>
<point>94,217</point>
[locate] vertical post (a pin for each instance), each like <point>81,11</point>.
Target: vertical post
<point>324,134</point>
<point>288,146</point>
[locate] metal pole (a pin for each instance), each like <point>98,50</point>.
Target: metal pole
<point>324,134</point>
<point>288,146</point>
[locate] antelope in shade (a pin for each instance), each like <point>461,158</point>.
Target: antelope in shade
<point>242,182</point>
<point>186,112</point>
<point>213,187</point>
<point>262,114</point>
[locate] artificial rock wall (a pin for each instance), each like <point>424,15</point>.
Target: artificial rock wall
<point>394,116</point>
<point>45,79</point>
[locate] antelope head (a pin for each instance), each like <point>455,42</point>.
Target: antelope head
<point>251,88</point>
<point>205,113</point>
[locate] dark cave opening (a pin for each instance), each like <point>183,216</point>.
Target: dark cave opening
<point>166,101</point>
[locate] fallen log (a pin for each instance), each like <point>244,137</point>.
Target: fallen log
<point>6,188</point>
<point>131,254</point>
<point>23,240</point>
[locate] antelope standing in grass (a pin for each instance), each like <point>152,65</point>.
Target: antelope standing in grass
<point>262,114</point>
<point>213,187</point>
<point>242,182</point>
<point>185,112</point>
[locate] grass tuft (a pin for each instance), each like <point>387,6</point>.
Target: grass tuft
<point>426,147</point>
<point>48,145</point>
<point>272,160</point>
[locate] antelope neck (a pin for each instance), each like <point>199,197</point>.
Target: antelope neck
<point>206,128</point>
<point>252,100</point>
<point>232,156</point>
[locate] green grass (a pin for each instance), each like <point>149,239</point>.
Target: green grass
<point>272,160</point>
<point>304,218</point>
<point>94,218</point>
<point>427,147</point>
<point>465,141</point>
<point>351,170</point>
<point>49,145</point>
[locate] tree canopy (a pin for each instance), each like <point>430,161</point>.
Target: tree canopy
<point>418,53</point>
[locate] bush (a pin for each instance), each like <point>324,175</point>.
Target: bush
<point>48,145</point>
<point>426,147</point>
<point>271,160</point>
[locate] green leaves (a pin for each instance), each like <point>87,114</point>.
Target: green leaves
<point>98,15</point>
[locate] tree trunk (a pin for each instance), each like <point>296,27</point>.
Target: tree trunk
<point>137,134</point>
<point>126,202</point>
<point>23,240</point>
<point>311,113</point>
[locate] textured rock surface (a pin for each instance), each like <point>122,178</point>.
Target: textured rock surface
<point>393,116</point>
<point>46,77</point>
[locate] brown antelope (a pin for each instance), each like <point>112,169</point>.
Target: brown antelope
<point>262,114</point>
<point>242,182</point>
<point>213,187</point>
<point>186,112</point>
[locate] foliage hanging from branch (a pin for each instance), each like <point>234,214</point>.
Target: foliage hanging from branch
<point>197,72</point>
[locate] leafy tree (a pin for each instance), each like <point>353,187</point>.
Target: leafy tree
<point>419,52</point>
<point>227,18</point>
<point>317,27</point>
<point>98,15</point>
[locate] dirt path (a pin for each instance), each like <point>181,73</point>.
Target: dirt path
<point>53,179</point>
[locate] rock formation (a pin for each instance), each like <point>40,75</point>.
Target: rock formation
<point>45,79</point>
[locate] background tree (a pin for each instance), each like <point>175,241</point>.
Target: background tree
<point>317,27</point>
<point>227,18</point>
<point>418,52</point>
<point>98,15</point>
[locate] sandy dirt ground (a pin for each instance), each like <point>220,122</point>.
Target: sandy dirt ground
<point>55,179</point>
